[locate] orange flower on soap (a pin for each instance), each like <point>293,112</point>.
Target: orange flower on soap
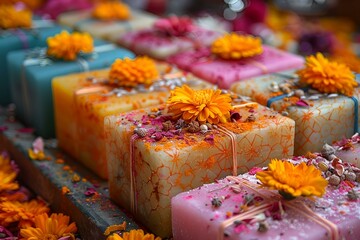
<point>10,17</point>
<point>67,46</point>
<point>200,105</point>
<point>327,76</point>
<point>293,180</point>
<point>7,175</point>
<point>133,235</point>
<point>235,46</point>
<point>131,72</point>
<point>46,228</point>
<point>111,10</point>
<point>23,213</point>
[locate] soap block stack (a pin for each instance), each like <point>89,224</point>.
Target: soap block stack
<point>107,29</point>
<point>237,208</point>
<point>31,72</point>
<point>320,118</point>
<point>152,157</point>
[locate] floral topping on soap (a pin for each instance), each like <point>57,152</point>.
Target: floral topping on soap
<point>111,10</point>
<point>204,106</point>
<point>67,46</point>
<point>132,72</point>
<point>10,17</point>
<point>234,46</point>
<point>293,180</point>
<point>137,234</point>
<point>327,76</point>
<point>174,26</point>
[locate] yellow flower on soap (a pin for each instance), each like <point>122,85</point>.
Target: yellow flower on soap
<point>293,180</point>
<point>133,235</point>
<point>10,17</point>
<point>206,105</point>
<point>22,212</point>
<point>67,46</point>
<point>132,72</point>
<point>327,76</point>
<point>7,175</point>
<point>111,10</point>
<point>50,227</point>
<point>235,46</point>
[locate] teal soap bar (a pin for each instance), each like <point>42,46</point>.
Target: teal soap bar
<point>17,39</point>
<point>31,81</point>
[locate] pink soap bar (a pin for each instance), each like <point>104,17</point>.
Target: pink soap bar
<point>349,150</point>
<point>226,72</point>
<point>197,214</point>
<point>160,46</point>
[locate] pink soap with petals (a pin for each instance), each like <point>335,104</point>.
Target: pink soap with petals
<point>226,72</point>
<point>199,214</point>
<point>166,37</point>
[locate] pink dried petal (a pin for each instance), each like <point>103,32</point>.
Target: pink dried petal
<point>254,170</point>
<point>25,130</point>
<point>38,145</point>
<point>302,103</point>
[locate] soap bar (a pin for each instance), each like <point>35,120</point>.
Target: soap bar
<point>226,72</point>
<point>197,214</point>
<point>163,158</point>
<point>31,75</point>
<point>17,39</point>
<point>83,21</point>
<point>81,103</point>
<point>160,46</point>
<point>319,118</point>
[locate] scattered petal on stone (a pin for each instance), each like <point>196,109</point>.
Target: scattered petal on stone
<point>65,190</point>
<point>90,192</point>
<point>302,103</point>
<point>114,228</point>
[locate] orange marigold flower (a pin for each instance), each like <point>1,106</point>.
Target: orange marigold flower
<point>131,72</point>
<point>134,235</point>
<point>10,17</point>
<point>24,213</point>
<point>111,11</point>
<point>7,175</point>
<point>67,46</point>
<point>200,105</point>
<point>326,76</point>
<point>235,46</point>
<point>293,181</point>
<point>53,227</point>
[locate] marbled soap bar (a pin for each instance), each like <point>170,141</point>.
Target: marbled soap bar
<point>83,21</point>
<point>222,210</point>
<point>226,72</point>
<point>81,106</point>
<point>319,118</point>
<point>165,158</point>
<point>31,75</point>
<point>349,150</point>
<point>17,39</point>
<point>160,46</point>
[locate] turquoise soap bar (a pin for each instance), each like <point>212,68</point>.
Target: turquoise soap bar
<point>31,76</point>
<point>17,39</point>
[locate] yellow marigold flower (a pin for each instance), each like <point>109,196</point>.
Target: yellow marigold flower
<point>111,11</point>
<point>40,155</point>
<point>131,72</point>
<point>200,105</point>
<point>235,46</point>
<point>7,175</point>
<point>67,46</point>
<point>53,227</point>
<point>134,235</point>
<point>10,17</point>
<point>293,181</point>
<point>24,213</point>
<point>326,76</point>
